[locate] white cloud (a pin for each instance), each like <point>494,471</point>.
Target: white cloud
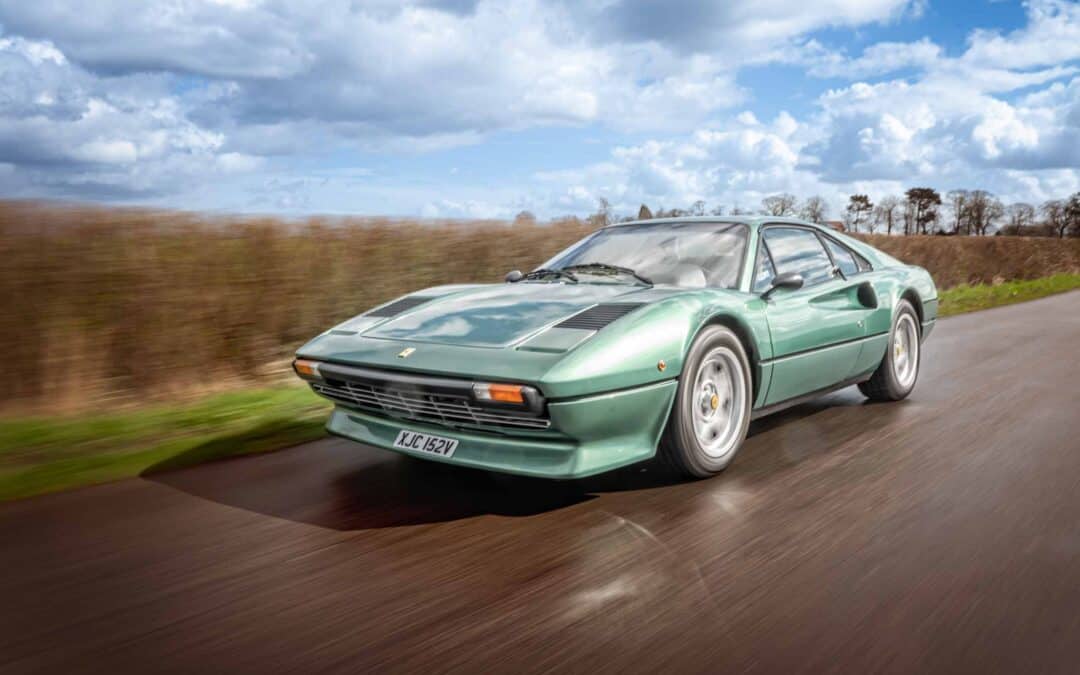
<point>107,152</point>
<point>740,162</point>
<point>1052,35</point>
<point>119,98</point>
<point>959,122</point>
<point>877,59</point>
<point>736,26</point>
<point>469,208</point>
<point>375,70</point>
<point>70,133</point>
<point>236,162</point>
<point>36,53</point>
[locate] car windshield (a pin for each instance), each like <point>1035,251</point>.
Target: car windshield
<point>693,255</point>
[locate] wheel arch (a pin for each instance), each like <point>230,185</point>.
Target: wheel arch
<point>912,296</point>
<point>746,338</point>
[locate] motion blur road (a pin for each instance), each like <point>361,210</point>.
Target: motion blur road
<point>941,534</point>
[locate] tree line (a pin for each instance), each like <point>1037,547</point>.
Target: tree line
<point>919,210</point>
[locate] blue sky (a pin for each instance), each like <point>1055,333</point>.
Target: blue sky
<point>483,108</point>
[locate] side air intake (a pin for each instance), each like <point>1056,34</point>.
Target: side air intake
<point>595,318</point>
<point>399,306</point>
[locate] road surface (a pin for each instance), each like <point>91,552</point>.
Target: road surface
<point>941,534</point>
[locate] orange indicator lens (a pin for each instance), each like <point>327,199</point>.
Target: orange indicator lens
<point>503,393</point>
<point>507,393</point>
<point>307,369</point>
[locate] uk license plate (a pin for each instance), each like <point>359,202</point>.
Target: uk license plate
<point>432,445</point>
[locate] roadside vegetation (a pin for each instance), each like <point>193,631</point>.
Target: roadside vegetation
<point>965,298</point>
<point>139,340</point>
<point>40,454</point>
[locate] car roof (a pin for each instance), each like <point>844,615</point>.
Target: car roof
<point>750,220</point>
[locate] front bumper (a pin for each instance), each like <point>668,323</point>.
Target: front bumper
<point>588,435</point>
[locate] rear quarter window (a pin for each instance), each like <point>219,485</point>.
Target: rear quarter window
<point>843,257</point>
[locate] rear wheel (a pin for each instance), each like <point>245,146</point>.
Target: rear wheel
<point>895,376</point>
<point>711,412</point>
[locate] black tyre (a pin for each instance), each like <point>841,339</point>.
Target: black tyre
<point>712,407</point>
<point>899,369</point>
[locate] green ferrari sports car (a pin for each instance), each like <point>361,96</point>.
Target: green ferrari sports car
<point>661,336</point>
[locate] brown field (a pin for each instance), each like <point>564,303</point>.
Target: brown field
<point>982,260</point>
<point>103,306</point>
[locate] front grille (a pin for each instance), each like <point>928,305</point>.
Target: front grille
<point>449,409</point>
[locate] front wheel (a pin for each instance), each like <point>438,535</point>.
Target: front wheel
<point>711,412</point>
<point>895,376</point>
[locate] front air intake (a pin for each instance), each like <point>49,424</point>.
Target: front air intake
<point>398,306</point>
<point>598,316</point>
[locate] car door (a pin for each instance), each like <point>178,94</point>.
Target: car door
<point>815,330</point>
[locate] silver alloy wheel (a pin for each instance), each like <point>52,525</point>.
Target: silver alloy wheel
<point>718,402</point>
<point>905,351</point>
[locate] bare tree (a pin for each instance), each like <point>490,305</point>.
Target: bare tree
<point>644,213</point>
<point>1019,218</point>
<point>717,211</point>
<point>869,220</point>
<point>908,214</point>
<point>814,209</point>
<point>982,211</point>
<point>525,218</point>
<point>885,213</point>
<point>1072,214</point>
<point>697,208</point>
<point>923,202</point>
<point>958,202</point>
<point>859,209</point>
<point>779,205</point>
<point>602,216</point>
<point>995,212</point>
<point>1054,217</point>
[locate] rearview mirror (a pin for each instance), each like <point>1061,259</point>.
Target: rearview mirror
<point>514,275</point>
<point>789,280</point>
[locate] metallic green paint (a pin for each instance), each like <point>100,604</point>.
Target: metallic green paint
<point>499,315</point>
<point>607,399</point>
<point>593,435</point>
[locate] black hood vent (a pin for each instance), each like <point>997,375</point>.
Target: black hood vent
<point>598,316</point>
<point>398,306</point>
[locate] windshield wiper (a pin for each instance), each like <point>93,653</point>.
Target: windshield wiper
<point>547,272</point>
<point>605,267</point>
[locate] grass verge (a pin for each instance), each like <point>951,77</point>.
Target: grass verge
<point>964,298</point>
<point>47,454</point>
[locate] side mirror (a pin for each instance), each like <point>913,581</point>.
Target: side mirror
<point>790,280</point>
<point>514,275</point>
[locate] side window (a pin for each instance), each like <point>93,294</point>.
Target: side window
<point>763,270</point>
<point>799,251</point>
<point>843,257</point>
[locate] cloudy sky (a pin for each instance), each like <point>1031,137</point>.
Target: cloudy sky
<point>488,107</point>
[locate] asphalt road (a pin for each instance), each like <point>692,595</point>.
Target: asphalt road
<point>941,534</point>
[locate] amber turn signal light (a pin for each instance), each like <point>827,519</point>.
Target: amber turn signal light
<point>309,370</point>
<point>501,393</point>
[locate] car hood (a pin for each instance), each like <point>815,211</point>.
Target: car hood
<point>500,315</point>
